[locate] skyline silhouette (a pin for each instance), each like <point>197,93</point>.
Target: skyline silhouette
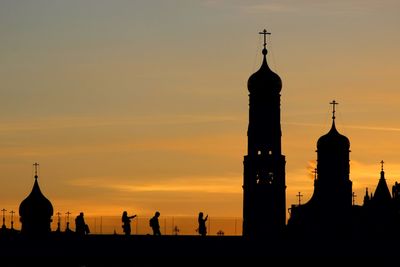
<point>264,182</point>
<point>330,218</point>
<point>151,96</point>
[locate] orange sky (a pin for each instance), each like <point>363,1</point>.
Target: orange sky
<point>143,105</point>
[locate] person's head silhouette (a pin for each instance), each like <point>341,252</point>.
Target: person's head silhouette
<point>157,214</point>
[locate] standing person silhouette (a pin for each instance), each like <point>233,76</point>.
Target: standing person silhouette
<point>126,222</point>
<point>81,228</point>
<point>154,224</point>
<point>202,224</point>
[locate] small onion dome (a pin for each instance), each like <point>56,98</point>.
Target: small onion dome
<point>264,78</point>
<point>333,140</point>
<point>35,208</point>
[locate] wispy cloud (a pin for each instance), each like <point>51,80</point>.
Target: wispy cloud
<point>359,127</point>
<point>92,122</point>
<point>309,6</point>
<point>229,184</point>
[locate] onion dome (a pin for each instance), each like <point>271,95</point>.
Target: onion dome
<point>264,78</point>
<point>333,140</point>
<point>35,211</point>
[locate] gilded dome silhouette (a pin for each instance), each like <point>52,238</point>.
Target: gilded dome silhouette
<point>35,212</point>
<point>264,79</point>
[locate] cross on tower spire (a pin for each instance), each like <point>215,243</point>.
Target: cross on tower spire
<point>333,103</point>
<point>58,221</point>
<point>299,197</point>
<point>382,162</point>
<point>12,219</point>
<point>36,165</point>
<point>353,195</point>
<point>315,172</point>
<point>264,32</point>
<point>4,218</point>
<point>67,219</point>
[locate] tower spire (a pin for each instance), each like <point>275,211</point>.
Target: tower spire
<point>382,162</point>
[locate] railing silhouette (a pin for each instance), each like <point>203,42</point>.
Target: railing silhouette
<point>170,225</point>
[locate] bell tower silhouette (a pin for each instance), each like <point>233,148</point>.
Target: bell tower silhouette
<point>264,197</point>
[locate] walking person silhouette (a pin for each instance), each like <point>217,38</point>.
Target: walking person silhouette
<point>154,224</point>
<point>126,222</point>
<point>202,224</point>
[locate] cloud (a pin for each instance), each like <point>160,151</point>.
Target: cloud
<point>226,185</point>
<point>309,6</point>
<point>359,127</point>
<point>91,122</point>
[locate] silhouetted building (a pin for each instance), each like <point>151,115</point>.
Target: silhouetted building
<point>381,210</point>
<point>35,211</point>
<point>329,209</point>
<point>264,199</point>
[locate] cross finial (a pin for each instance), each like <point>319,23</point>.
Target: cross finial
<point>382,162</point>
<point>36,165</point>
<point>58,221</point>
<point>315,173</point>
<point>353,195</point>
<point>334,103</point>
<point>12,219</point>
<point>67,228</point>
<point>299,196</point>
<point>264,32</point>
<point>68,213</point>
<point>4,218</point>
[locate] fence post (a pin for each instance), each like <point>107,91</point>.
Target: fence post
<point>209,226</point>
<point>137,224</point>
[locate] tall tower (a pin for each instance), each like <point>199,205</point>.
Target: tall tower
<point>329,211</point>
<point>264,199</point>
<point>333,187</point>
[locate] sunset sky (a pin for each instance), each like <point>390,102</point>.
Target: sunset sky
<point>143,105</point>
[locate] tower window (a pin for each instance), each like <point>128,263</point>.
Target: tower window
<point>269,152</point>
<point>270,177</point>
<point>259,152</point>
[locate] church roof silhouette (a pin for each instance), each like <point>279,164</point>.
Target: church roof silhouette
<point>36,204</point>
<point>35,211</point>
<point>333,139</point>
<point>264,77</point>
<point>382,193</point>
